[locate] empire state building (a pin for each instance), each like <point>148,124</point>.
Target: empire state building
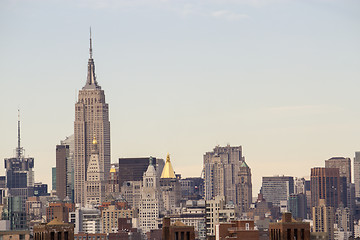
<point>91,120</point>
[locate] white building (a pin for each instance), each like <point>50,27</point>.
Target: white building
<point>87,220</point>
<point>150,202</point>
<point>217,211</point>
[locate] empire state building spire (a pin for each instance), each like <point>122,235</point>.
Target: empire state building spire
<point>91,82</point>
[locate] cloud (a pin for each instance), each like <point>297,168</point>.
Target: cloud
<point>228,15</point>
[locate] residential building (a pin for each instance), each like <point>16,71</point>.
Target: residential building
<point>91,120</point>
<point>217,211</point>
<point>221,172</point>
<point>110,216</point>
<point>323,219</point>
<point>288,228</point>
<point>54,230</point>
<point>59,210</point>
<point>178,230</point>
<point>237,230</point>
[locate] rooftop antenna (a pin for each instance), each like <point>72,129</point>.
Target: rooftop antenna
<point>19,149</point>
<point>90,45</point>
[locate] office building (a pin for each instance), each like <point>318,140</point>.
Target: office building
<point>65,168</point>
<point>170,188</point>
<point>192,188</point>
<point>323,219</point>
<point>343,164</point>
<point>244,188</point>
<point>221,172</point>
<point>91,120</point>
<point>325,184</point>
<point>151,201</point>
<point>133,169</point>
<point>297,205</point>
<point>20,174</point>
<point>357,174</point>
<point>95,182</point>
<point>112,184</point>
<point>131,191</point>
<point>277,188</point>
<point>86,220</point>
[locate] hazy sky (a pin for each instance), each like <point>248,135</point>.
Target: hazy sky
<point>280,78</point>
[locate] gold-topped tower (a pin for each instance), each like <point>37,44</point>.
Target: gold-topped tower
<point>168,171</point>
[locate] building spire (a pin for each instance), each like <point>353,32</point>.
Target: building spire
<point>90,45</point>
<point>168,171</point>
<point>19,149</point>
<point>91,82</point>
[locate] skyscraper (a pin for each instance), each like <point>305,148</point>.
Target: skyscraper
<point>65,168</point>
<point>357,174</point>
<point>221,172</point>
<point>244,190</point>
<point>325,184</point>
<point>19,173</point>
<point>95,184</point>
<point>277,188</point>
<point>91,120</point>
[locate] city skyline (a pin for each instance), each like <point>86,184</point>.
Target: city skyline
<point>183,78</point>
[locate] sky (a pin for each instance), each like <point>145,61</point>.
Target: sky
<point>280,78</point>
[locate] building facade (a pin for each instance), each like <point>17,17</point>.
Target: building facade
<point>325,184</point>
<point>277,188</point>
<point>244,189</point>
<point>221,172</point>
<point>91,120</point>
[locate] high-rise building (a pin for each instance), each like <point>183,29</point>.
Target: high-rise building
<point>325,184</point>
<point>170,187</point>
<point>133,169</point>
<point>357,174</point>
<point>221,172</point>
<point>192,188</point>
<point>95,182</point>
<point>244,190</point>
<point>91,120</point>
<point>150,203</point>
<point>65,168</point>
<point>297,205</point>
<point>343,164</point>
<point>277,188</point>
<point>323,218</point>
<point>217,211</point>
<point>20,175</point>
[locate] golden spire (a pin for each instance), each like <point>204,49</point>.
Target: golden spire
<point>168,171</point>
<point>94,140</point>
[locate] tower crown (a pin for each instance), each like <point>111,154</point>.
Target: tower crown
<point>168,171</point>
<point>91,82</point>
